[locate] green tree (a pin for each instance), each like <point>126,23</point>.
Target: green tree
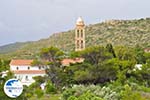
<point>125,53</point>
<point>110,49</point>
<point>39,93</point>
<point>95,68</point>
<point>96,54</point>
<point>50,88</point>
<point>75,54</point>
<point>51,54</point>
<point>143,75</point>
<point>4,65</point>
<point>51,58</point>
<point>39,79</point>
<point>128,94</point>
<point>140,58</point>
<point>147,56</point>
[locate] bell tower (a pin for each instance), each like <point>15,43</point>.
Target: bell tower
<point>80,35</point>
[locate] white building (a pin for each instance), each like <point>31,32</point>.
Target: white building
<point>24,71</point>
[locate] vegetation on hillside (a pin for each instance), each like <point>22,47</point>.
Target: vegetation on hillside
<point>117,32</point>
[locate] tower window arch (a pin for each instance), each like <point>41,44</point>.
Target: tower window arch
<point>81,33</point>
<point>78,32</point>
<point>81,43</point>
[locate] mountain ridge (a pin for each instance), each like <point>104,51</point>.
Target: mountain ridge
<point>116,32</point>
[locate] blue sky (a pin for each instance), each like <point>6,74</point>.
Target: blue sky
<point>27,20</point>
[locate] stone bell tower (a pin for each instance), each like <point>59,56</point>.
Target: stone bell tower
<point>80,35</point>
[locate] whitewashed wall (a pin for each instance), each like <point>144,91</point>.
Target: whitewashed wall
<point>22,77</point>
<point>30,80</point>
<point>25,67</point>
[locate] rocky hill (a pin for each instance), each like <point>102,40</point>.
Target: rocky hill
<point>117,32</point>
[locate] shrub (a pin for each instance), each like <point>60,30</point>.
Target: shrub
<point>89,96</point>
<point>97,91</point>
<point>85,96</point>
<point>128,94</point>
<point>39,93</point>
<point>50,88</point>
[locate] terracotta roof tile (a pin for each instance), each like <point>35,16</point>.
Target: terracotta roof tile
<point>21,62</point>
<point>147,49</point>
<point>67,62</point>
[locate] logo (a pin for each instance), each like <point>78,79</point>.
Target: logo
<point>13,88</point>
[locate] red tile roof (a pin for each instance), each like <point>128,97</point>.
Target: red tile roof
<point>21,62</point>
<point>29,71</point>
<point>67,62</point>
<point>147,49</point>
<point>64,62</point>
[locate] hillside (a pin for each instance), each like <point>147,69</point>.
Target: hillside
<point>117,32</point>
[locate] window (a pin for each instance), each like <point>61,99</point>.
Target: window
<point>81,31</point>
<point>17,68</point>
<point>28,68</point>
<point>39,67</point>
<point>82,44</point>
<point>26,78</point>
<point>78,33</point>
